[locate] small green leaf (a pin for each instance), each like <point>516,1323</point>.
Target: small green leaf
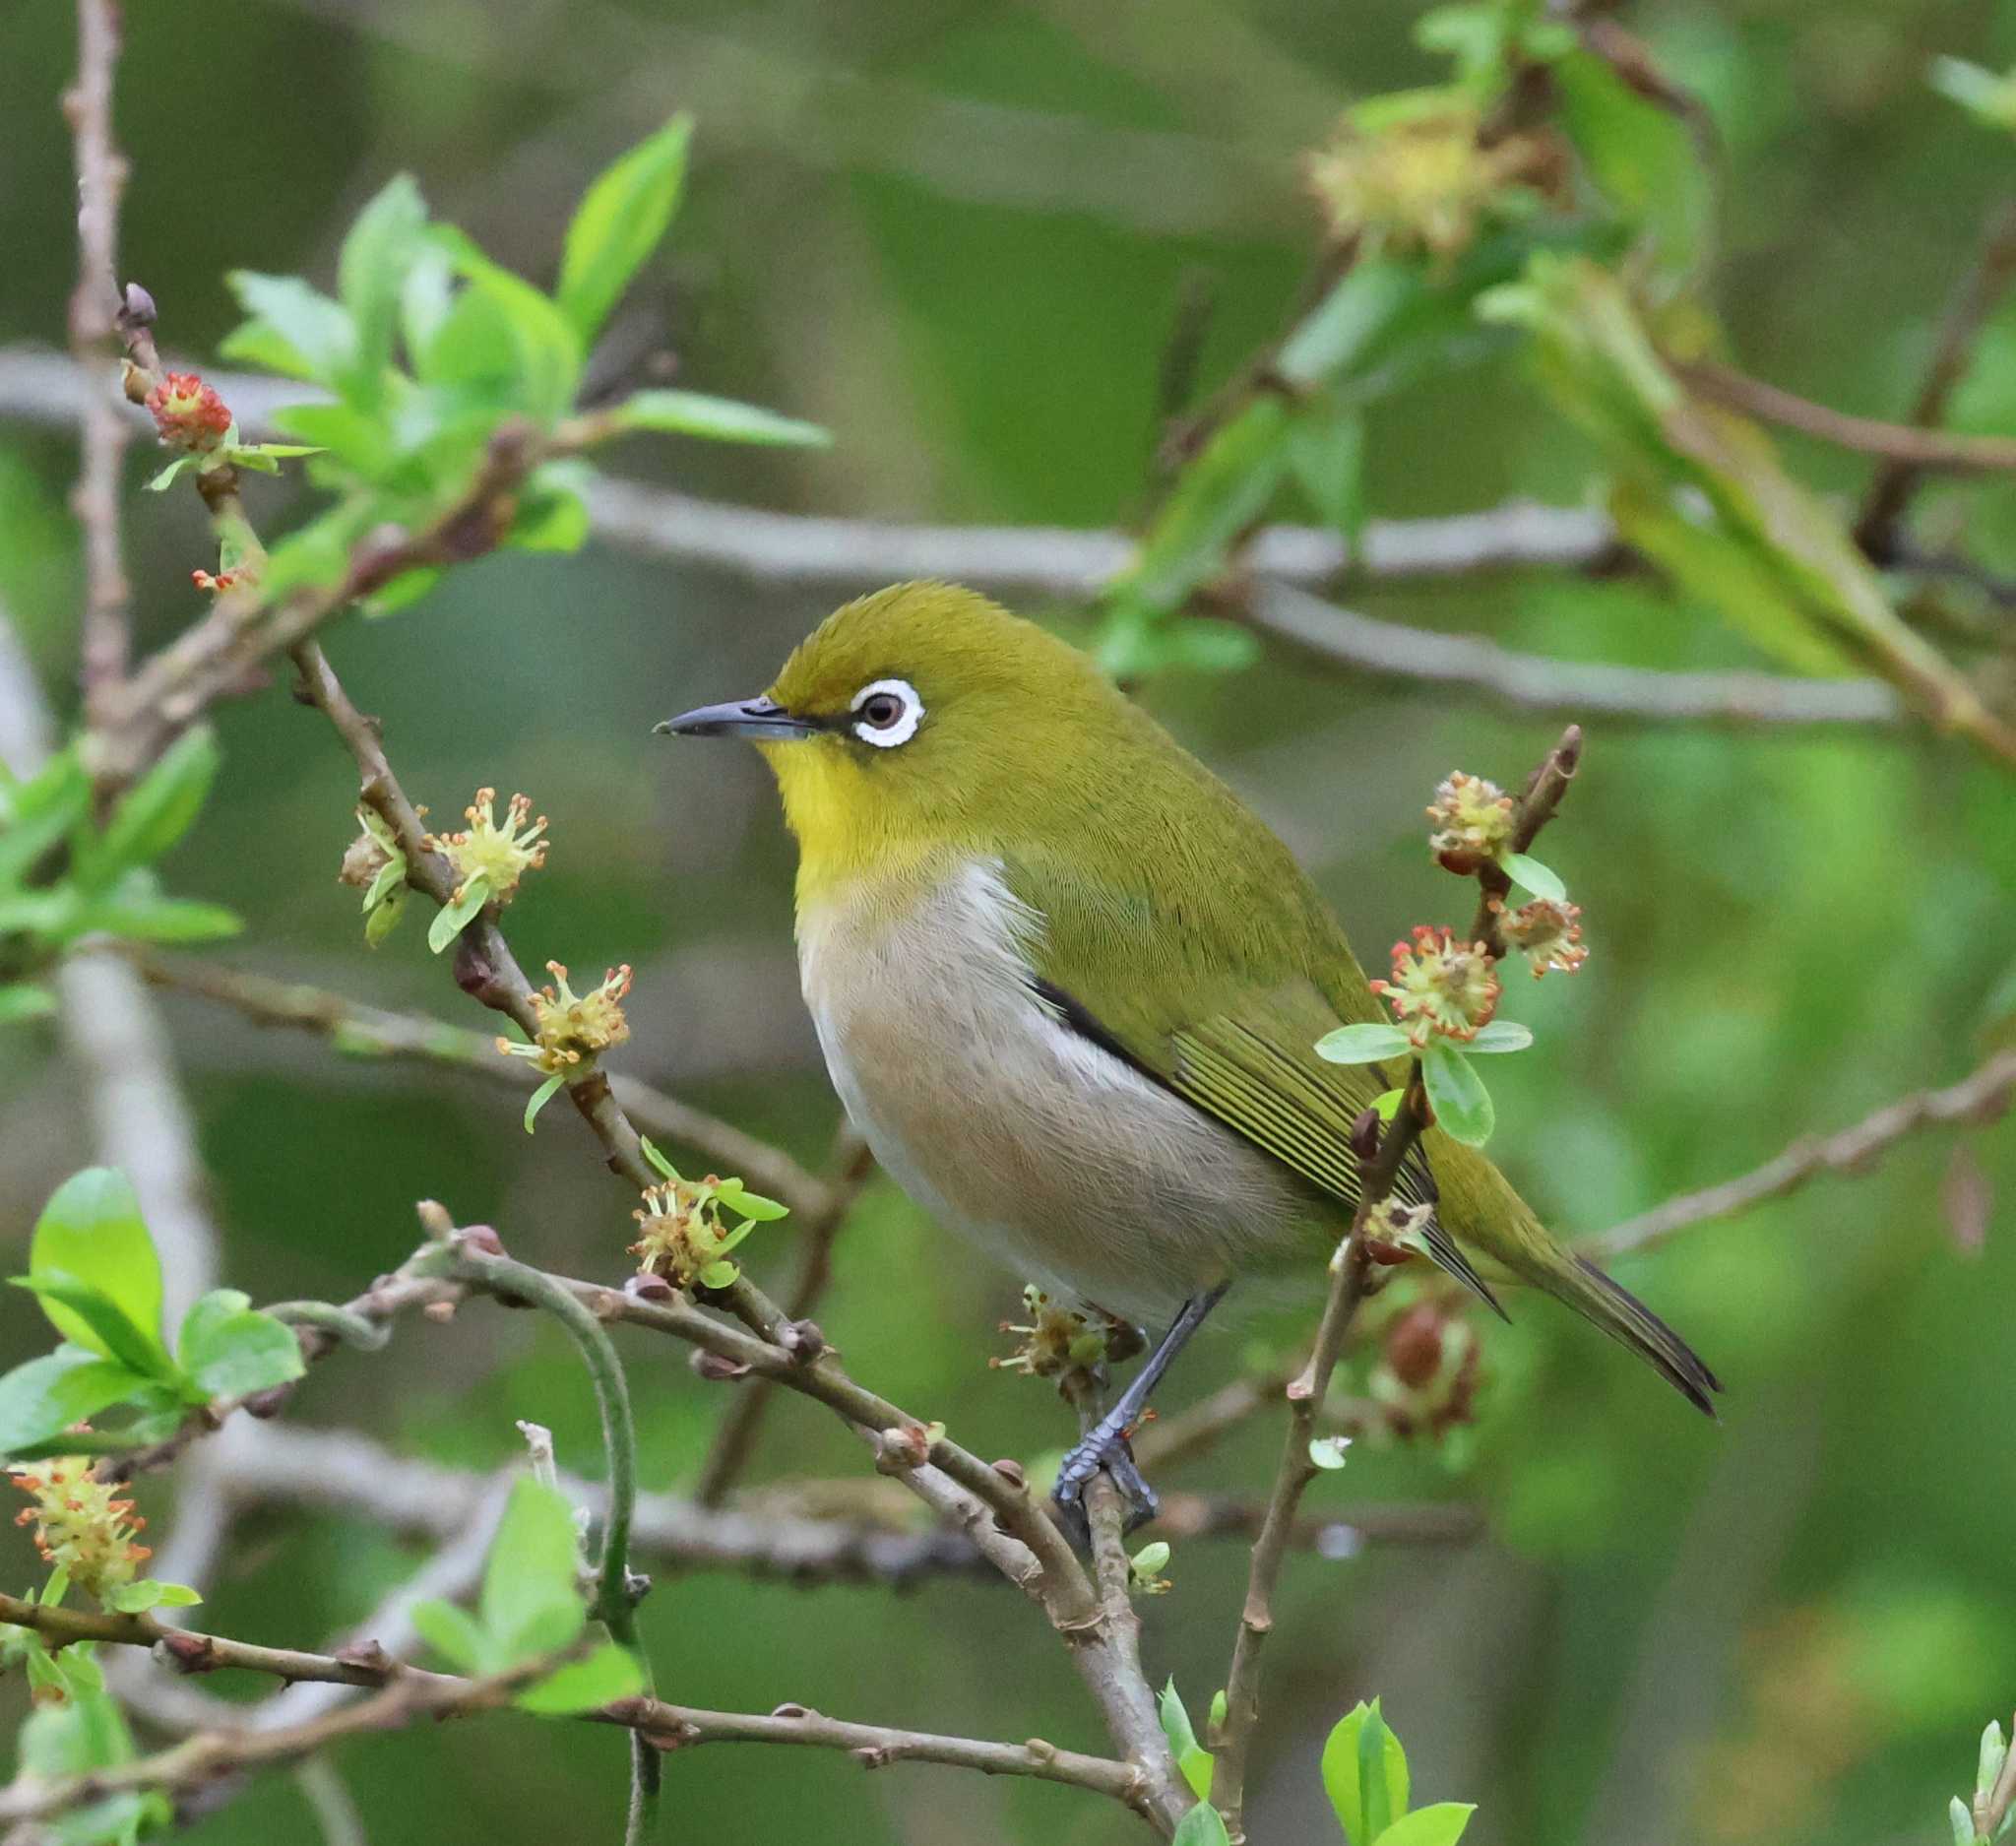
<point>94,1319</point>
<point>144,1593</point>
<point>452,1633</point>
<point>1961,1817</point>
<point>1387,1104</point>
<point>91,1230</point>
<point>24,1000</point>
<point>539,1098</point>
<point>719,419</point>
<point>1192,1758</point>
<point>1457,1094</point>
<point>1990,98</point>
<point>384,917</point>
<point>168,476</point>
<point>1501,1034</point>
<point>45,1397</point>
<point>1528,873</point>
<point>543,350</point>
<point>1327,1451</point>
<point>1442,1824</point>
<point>1995,1752</point>
<point>607,1675</point>
<point>450,920</point>
<point>551,514</point>
<point>1345,1778</point>
<point>295,329</point>
<point>1361,1045</point>
<point>1203,1825</point>
<point>230,1350</point>
<point>619,223</point>
<point>390,875</point>
<point>163,804</point>
<point>531,1604</point>
<point>738,1197</point>
<point>371,274</point>
<point>718,1275</point>
<point>403,591</point>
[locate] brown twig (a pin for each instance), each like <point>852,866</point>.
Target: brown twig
<point>1979,1098</point>
<point>1923,450</point>
<point>375,1032</point>
<point>94,330</point>
<point>1967,312</point>
<point>1381,1156</point>
<point>668,1727</point>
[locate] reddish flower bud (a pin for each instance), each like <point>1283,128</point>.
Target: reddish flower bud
<point>188,413</point>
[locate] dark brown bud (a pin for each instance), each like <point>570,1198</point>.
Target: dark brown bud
<point>1414,1346</point>
<point>1364,1133</point>
<point>186,1653</point>
<point>649,1288</point>
<point>802,1340</point>
<point>1011,1471</point>
<point>791,1709</point>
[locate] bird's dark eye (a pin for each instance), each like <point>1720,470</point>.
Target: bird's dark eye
<point>882,710</point>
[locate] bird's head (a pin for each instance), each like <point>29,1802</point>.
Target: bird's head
<point>921,716</point>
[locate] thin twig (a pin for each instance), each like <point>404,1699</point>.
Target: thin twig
<point>1971,302</point>
<point>375,1032</point>
<point>1532,682</point>
<point>662,1727</point>
<point>1928,450</point>
<point>1979,1098</point>
<point>102,429</point>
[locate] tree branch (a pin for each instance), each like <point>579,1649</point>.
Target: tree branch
<point>1928,450</point>
<point>1967,312</point>
<point>1979,1098</point>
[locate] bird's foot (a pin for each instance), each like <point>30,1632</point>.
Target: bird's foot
<point>1103,1447</point>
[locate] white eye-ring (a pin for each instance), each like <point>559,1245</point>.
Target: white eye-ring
<point>887,713</point>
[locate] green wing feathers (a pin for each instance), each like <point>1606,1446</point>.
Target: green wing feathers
<point>1222,1003</point>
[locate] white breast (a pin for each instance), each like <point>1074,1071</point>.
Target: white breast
<point>1053,1154</point>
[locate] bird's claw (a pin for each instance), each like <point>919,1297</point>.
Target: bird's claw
<point>1109,1450</point>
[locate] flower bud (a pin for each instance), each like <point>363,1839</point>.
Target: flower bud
<point>188,413</point>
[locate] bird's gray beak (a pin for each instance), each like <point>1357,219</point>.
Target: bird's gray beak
<point>763,718</point>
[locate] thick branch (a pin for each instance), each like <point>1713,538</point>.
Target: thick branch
<point>1979,1098</point>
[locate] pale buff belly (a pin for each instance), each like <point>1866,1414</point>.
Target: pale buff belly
<point>1058,1159</point>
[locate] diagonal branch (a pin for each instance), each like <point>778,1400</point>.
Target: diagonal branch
<point>1979,1098</point>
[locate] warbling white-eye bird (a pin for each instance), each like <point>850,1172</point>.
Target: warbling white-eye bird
<point>1069,987</point>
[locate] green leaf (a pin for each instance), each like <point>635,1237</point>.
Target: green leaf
<point>1365,1774</point>
<point>1990,100</point>
<point>146,918</point>
<point>45,1397</point>
<point>163,804</point>
<point>452,918</point>
<point>552,515</point>
<point>539,1098</point>
<point>384,916</point>
<point>608,1673</point>
<point>1203,1825</point>
<point>1961,1819</point>
<point>618,224</point>
<point>718,1275</point>
<point>1643,157</point>
<point>168,476</point>
<point>542,350</point>
<point>403,591</point>
<point>1442,1824</point>
<point>295,329</point>
<point>1995,1752</point>
<point>1501,1034</point>
<point>1192,1758</point>
<point>1387,1102</point>
<point>1222,492</point>
<point>1327,1451</point>
<point>452,1633</point>
<point>91,1317</point>
<point>91,1230</point>
<point>719,419</point>
<point>1326,453</point>
<point>371,274</point>
<point>530,1603</point>
<point>732,1193</point>
<point>231,1349</point>
<point>24,1000</point>
<point>1530,875</point>
<point>656,1158</point>
<point>390,875</point>
<point>144,1593</point>
<point>1361,1045</point>
<point>1457,1094</point>
<point>356,438</point>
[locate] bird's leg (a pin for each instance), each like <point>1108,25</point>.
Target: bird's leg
<point>1104,1444</point>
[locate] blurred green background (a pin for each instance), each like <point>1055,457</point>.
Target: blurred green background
<point>958,234</point>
